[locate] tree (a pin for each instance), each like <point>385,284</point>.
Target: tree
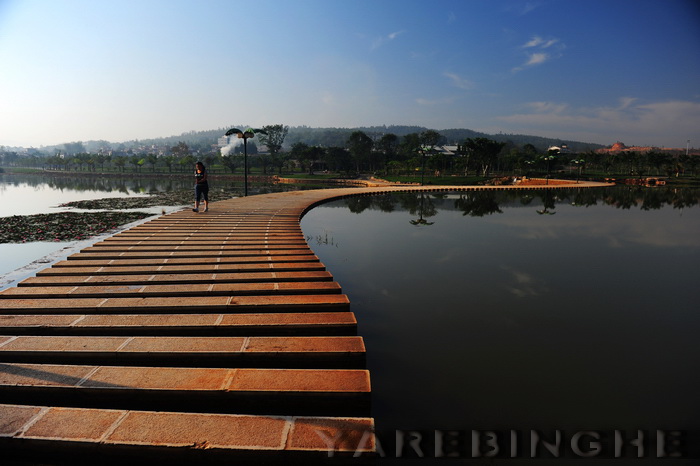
<point>484,151</point>
<point>299,152</point>
<point>120,162</point>
<point>169,160</point>
<point>135,161</point>
<point>72,148</point>
<point>101,159</point>
<point>315,153</point>
<point>229,161</point>
<point>360,146</point>
<point>428,139</point>
<point>409,147</point>
<point>274,138</point>
<point>389,144</point>
<point>180,150</point>
<point>338,159</point>
<point>187,161</point>
<point>152,160</point>
<point>82,159</point>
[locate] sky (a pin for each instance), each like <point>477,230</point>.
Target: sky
<point>594,71</point>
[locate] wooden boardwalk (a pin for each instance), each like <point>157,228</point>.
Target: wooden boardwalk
<point>193,337</point>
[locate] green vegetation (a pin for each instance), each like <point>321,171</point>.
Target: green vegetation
<point>405,153</point>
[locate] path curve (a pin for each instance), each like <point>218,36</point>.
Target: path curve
<point>211,336</point>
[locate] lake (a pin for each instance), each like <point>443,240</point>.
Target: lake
<point>40,194</point>
<point>566,309</point>
<point>501,311</point>
<point>43,193</point>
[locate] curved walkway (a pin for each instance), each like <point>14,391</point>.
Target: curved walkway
<point>209,336</point>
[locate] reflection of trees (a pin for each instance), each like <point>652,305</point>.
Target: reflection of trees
<point>548,199</point>
<point>424,210</point>
<point>526,199</point>
<point>585,197</point>
<point>418,204</point>
<point>120,184</point>
<point>651,198</point>
<point>385,204</point>
<point>359,204</point>
<point>478,203</point>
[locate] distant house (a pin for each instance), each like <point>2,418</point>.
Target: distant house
<point>621,147</point>
<point>563,149</point>
<point>449,150</point>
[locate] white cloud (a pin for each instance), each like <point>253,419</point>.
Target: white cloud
<point>547,107</point>
<point>663,123</point>
<point>539,57</point>
<point>431,102</point>
<point>458,81</point>
<point>379,41</point>
<point>522,9</point>
<point>626,102</point>
<point>537,41</point>
<point>536,59</point>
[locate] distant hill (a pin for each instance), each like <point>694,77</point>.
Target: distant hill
<point>329,137</point>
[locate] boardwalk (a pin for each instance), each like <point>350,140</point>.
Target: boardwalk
<point>211,336</point>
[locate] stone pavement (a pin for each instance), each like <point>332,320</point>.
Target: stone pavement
<point>193,337</point>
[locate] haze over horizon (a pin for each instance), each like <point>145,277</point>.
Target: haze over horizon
<point>596,71</point>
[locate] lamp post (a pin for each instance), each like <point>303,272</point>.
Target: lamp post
<point>245,135</point>
<point>579,164</point>
<point>423,151</point>
<point>548,159</point>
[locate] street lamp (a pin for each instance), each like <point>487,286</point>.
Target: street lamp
<point>423,150</point>
<point>549,158</point>
<point>245,135</point>
<point>579,163</point>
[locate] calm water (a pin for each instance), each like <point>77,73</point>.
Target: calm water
<point>32,194</point>
<point>40,194</point>
<point>545,310</point>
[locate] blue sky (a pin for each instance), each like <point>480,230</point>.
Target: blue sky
<point>593,71</point>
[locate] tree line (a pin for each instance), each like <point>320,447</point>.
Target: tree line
<point>361,152</point>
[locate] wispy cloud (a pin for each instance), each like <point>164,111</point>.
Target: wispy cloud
<point>523,284</point>
<point>379,41</point>
<point>667,123</point>
<point>539,50</point>
<point>459,81</point>
<point>537,59</point>
<point>521,9</point>
<point>537,41</point>
<point>432,102</point>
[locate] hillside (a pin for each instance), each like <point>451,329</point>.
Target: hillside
<point>329,137</point>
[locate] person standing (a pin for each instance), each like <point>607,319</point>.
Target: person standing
<point>201,186</point>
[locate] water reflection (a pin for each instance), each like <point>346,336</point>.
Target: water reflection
<point>103,184</point>
<point>499,317</point>
<point>424,210</point>
<point>479,203</point>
